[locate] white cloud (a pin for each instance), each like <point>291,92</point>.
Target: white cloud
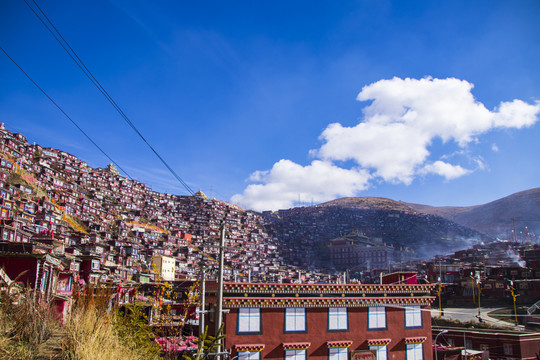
<point>281,186</point>
<point>404,118</point>
<point>494,148</point>
<point>392,142</point>
<point>444,169</point>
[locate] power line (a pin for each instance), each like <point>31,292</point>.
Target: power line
<point>73,55</point>
<point>65,114</point>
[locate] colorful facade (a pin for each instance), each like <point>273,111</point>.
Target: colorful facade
<point>324,321</point>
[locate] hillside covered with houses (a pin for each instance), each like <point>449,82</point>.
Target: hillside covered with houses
<point>102,226</point>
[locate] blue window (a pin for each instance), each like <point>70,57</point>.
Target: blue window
<point>249,320</point>
<point>413,316</point>
<point>381,351</point>
<point>249,355</point>
<point>415,351</point>
<point>376,317</point>
<point>295,319</point>
<point>340,353</point>
<point>295,354</point>
<point>337,318</point>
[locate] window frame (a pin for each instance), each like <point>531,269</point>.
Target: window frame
<point>339,355</point>
<point>250,314</point>
<point>250,353</point>
<point>415,311</point>
<point>378,348</point>
<point>378,316</point>
<point>412,349</point>
<point>338,315</point>
<point>296,318</point>
<point>299,354</point>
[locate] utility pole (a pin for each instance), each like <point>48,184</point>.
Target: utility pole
<point>514,296</point>
<point>202,311</point>
<point>439,294</point>
<point>479,293</point>
<point>220,287</point>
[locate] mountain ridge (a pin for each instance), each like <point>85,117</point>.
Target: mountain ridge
<point>496,218</point>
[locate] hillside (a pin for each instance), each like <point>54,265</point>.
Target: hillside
<point>305,231</point>
<point>497,218</point>
<point>50,196</point>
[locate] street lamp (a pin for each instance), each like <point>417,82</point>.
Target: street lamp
<point>435,342</point>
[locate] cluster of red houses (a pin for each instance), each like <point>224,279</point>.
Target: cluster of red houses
<point>95,225</point>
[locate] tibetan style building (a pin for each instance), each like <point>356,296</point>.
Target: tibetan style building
<point>324,321</point>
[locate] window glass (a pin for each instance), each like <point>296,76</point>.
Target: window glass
<point>381,351</point>
<point>249,355</point>
<point>295,319</point>
<point>413,316</point>
<point>338,353</point>
<point>376,317</point>
<point>337,318</point>
<point>249,320</point>
<point>415,352</point>
<point>295,354</point>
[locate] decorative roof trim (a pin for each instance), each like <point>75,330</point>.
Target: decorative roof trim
<point>415,340</point>
<point>265,288</point>
<point>296,346</point>
<point>279,302</point>
<point>336,344</point>
<point>379,341</point>
<point>249,347</point>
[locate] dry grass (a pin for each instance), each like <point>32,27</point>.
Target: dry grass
<point>91,335</point>
<point>95,332</point>
<point>25,324</point>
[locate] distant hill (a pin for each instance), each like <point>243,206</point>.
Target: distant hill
<point>305,231</point>
<point>497,218</point>
<point>368,203</point>
<point>426,230</point>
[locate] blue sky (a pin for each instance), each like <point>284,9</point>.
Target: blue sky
<point>277,104</point>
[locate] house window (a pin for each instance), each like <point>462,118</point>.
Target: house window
<point>507,348</point>
<point>468,344</point>
<point>337,318</point>
<point>340,353</point>
<point>249,320</point>
<point>295,319</point>
<point>376,317</point>
<point>295,354</point>
<point>95,265</point>
<point>413,316</point>
<point>249,355</point>
<point>415,351</point>
<point>380,350</point>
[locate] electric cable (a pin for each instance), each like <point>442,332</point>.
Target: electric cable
<point>73,55</point>
<point>65,114</point>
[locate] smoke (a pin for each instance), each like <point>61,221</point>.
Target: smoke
<point>514,258</point>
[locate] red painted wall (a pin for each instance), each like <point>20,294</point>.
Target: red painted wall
<point>272,322</point>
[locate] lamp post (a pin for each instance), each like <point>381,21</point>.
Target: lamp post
<point>435,342</point>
